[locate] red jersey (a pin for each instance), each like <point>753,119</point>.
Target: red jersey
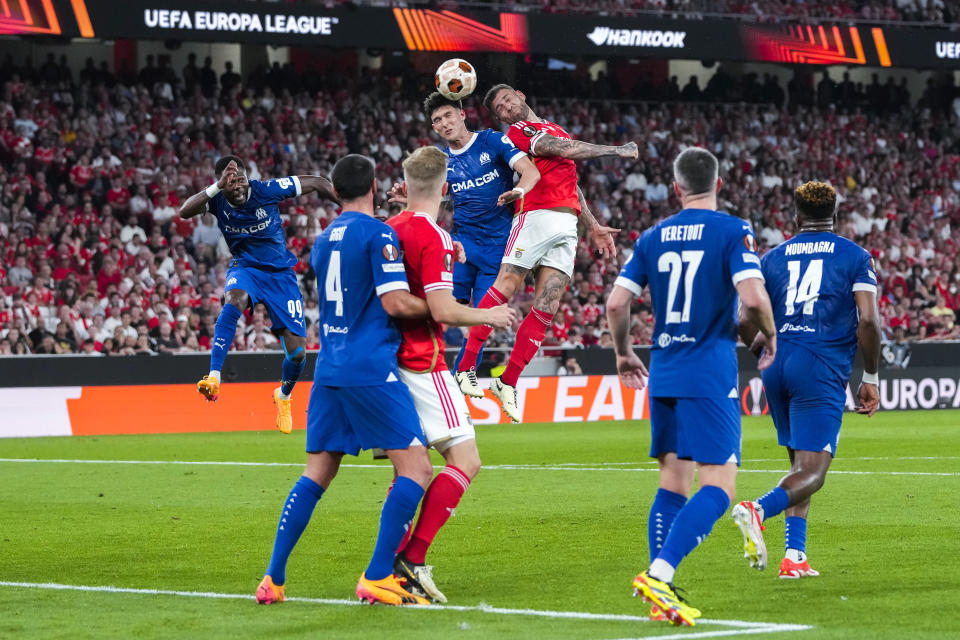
<point>558,176</point>
<point>428,259</point>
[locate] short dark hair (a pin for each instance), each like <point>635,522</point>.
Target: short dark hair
<point>696,171</point>
<point>436,101</point>
<point>492,94</point>
<point>224,161</point>
<point>816,200</point>
<point>352,176</point>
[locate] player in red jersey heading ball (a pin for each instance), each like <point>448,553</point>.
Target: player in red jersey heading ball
<point>544,236</point>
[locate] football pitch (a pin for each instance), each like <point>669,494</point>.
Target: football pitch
<point>168,536</point>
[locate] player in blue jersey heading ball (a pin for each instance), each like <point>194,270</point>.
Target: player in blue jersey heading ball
<point>261,268</point>
<point>358,400</point>
<point>480,174</point>
<point>824,293</point>
<point>696,264</point>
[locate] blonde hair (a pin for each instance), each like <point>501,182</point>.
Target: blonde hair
<point>425,171</point>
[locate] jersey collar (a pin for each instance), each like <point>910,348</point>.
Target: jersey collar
<point>465,147</point>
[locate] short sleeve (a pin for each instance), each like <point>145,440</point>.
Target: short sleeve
<point>279,189</point>
<point>742,256</point>
<point>507,152</point>
<point>865,277</point>
<point>524,136</point>
<point>633,275</point>
<point>436,260</point>
<point>386,261</point>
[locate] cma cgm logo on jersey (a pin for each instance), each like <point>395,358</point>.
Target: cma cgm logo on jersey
<point>656,38</point>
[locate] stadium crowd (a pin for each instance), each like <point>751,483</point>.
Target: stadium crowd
<point>930,11</point>
<point>94,168</point>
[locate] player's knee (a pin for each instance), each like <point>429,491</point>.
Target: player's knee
<point>421,472</point>
<point>237,298</point>
<point>470,466</point>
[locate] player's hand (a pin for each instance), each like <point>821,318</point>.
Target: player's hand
<point>628,151</point>
<point>230,172</point>
<point>509,196</point>
<point>602,238</point>
<point>869,398</point>
<point>458,252</point>
<point>769,352</point>
<point>397,193</point>
<point>633,373</point>
<point>501,316</point>
<point>759,342</point>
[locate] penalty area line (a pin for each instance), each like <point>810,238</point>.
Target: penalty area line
<point>741,627</point>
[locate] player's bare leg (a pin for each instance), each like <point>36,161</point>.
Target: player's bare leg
<point>320,471</point>
<point>439,502</point>
<point>509,280</point>
<point>808,472</point>
<point>294,359</point>
<point>235,301</point>
<point>550,285</point>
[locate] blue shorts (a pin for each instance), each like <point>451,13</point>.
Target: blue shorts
<point>806,400</point>
<point>472,278</point>
<point>349,419</point>
<point>705,430</point>
<point>277,290</point>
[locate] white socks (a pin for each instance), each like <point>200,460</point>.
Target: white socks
<point>795,555</point>
<point>215,375</point>
<point>661,570</point>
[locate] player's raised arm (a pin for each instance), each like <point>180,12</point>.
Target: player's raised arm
<point>868,338</point>
<point>756,309</point>
<point>547,145</point>
<point>529,177</point>
<point>319,185</point>
<point>197,203</point>
<point>601,236</point>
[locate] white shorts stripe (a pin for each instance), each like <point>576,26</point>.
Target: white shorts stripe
<point>443,412</point>
<point>514,233</point>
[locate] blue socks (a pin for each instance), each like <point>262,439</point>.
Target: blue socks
<point>774,502</point>
<point>395,518</point>
<point>666,505</point>
<point>796,533</point>
<point>223,333</point>
<point>693,523</point>
<point>293,364</point>
<point>296,514</point>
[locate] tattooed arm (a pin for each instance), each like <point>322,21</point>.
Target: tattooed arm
<point>549,145</point>
<point>587,224</point>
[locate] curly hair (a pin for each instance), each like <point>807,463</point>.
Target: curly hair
<point>816,200</point>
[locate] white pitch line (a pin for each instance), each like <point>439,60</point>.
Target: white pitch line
<point>494,467</point>
<point>741,627</point>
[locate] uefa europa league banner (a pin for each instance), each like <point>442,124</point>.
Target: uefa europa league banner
<point>426,29</point>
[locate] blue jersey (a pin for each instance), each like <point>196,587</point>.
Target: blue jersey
<point>254,231</point>
<point>811,279</point>
<point>692,262</point>
<point>357,259</point>
<point>478,173</point>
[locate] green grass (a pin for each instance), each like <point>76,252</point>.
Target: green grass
<point>546,539</point>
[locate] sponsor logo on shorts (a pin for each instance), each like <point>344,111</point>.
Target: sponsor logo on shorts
<point>518,253</point>
<point>390,252</point>
<point>231,281</point>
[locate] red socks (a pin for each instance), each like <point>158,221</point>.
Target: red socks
<point>480,333</point>
<point>529,336</point>
<point>441,498</point>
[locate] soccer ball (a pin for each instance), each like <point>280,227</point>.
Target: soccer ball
<point>456,79</point>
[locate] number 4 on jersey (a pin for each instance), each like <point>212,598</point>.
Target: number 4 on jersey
<point>332,287</point>
<point>808,289</point>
